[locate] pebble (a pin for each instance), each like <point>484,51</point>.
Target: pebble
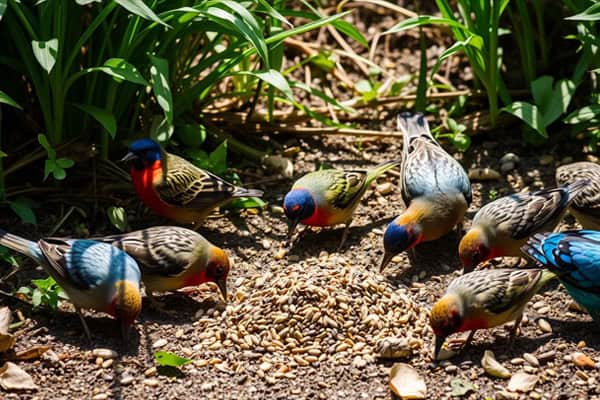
<point>105,353</point>
<point>484,174</point>
<point>507,167</point>
<point>385,188</point>
<point>544,310</point>
<point>150,372</point>
<point>531,359</point>
<point>505,395</point>
<point>510,157</point>
<point>277,210</point>
<point>581,344</point>
<point>451,369</point>
<point>544,325</point>
<point>517,361</point>
<point>546,356</point>
<point>107,363</point>
<point>151,382</point>
<point>126,380</point>
<point>583,361</point>
<point>280,254</point>
<point>159,343</point>
<point>100,396</point>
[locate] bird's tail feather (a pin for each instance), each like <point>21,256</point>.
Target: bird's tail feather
<point>414,126</point>
<point>381,169</point>
<point>243,192</point>
<point>546,277</point>
<point>21,245</point>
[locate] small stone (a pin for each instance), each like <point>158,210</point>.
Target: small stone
<point>583,361</point>
<point>265,366</point>
<point>505,395</point>
<point>531,359</point>
<point>385,188</point>
<point>507,167</point>
<point>126,380</point>
<point>546,159</point>
<point>510,157</point>
<point>484,174</point>
<point>266,244</point>
<point>522,382</point>
<point>179,333</point>
<point>100,396</point>
<point>546,356</point>
<point>150,372</point>
<point>544,310</point>
<point>105,353</point>
<point>280,254</point>
<point>451,369</point>
<point>544,325</point>
<point>581,344</point>
<point>107,363</point>
<point>517,361</point>
<point>159,343</point>
<point>278,210</point>
<point>151,382</point>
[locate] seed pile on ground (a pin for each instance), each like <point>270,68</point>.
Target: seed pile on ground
<point>305,314</point>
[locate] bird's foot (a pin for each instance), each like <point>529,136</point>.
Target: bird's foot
<point>344,236</point>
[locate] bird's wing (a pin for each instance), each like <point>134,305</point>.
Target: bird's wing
<point>185,185</point>
<point>344,187</point>
<point>522,214</point>
<point>160,250</point>
<point>573,255</point>
<point>499,290</point>
<point>588,200</point>
<point>84,264</point>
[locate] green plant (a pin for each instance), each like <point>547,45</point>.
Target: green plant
<point>167,359</point>
<point>45,293</point>
<point>53,165</point>
<point>476,33</point>
<point>457,137</point>
<point>551,100</point>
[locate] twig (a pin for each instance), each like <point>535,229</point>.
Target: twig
<point>381,3</point>
<point>63,219</point>
<point>342,42</point>
<point>301,130</point>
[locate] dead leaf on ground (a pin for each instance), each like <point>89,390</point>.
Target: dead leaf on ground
<point>12,377</point>
<point>7,340</point>
<point>406,382</point>
<point>31,353</point>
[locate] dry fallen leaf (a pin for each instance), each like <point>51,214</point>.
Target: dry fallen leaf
<point>31,353</point>
<point>7,340</point>
<point>493,367</point>
<point>12,377</point>
<point>522,382</point>
<point>406,382</point>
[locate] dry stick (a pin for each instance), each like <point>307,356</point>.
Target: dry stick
<point>385,4</point>
<point>342,42</point>
<point>301,130</point>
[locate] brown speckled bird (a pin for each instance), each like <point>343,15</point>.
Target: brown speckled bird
<point>586,205</point>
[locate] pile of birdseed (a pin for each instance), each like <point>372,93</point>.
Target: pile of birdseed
<point>305,314</point>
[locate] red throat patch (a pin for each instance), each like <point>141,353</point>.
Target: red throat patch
<point>143,182</point>
<point>195,279</point>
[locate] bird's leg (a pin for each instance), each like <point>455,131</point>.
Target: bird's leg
<point>345,234</point>
<point>85,327</point>
<point>514,329</point>
<point>462,342</point>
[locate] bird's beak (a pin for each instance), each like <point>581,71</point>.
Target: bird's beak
<point>128,157</point>
<point>387,257</point>
<point>439,342</point>
<point>222,284</point>
<point>292,224</point>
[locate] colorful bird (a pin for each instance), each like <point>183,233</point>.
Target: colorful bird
<point>94,275</point>
<point>175,188</point>
<point>484,299</point>
<point>329,197</point>
<point>172,258</point>
<point>435,188</point>
<point>500,228</point>
<point>586,205</point>
<point>574,256</point>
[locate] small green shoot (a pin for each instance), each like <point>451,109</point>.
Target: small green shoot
<point>492,194</point>
<point>23,207</point>
<point>46,293</point>
<point>166,359</point>
<point>118,217</point>
<point>53,165</point>
<point>457,137</point>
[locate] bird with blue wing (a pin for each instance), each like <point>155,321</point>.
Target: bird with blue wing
<point>173,258</point>
<point>435,189</point>
<point>574,256</point>
<point>94,275</point>
<point>485,299</point>
<point>329,197</point>
<point>175,188</point>
<point>501,227</point>
<point>585,207</point>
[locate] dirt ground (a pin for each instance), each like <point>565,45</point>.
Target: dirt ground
<point>255,243</point>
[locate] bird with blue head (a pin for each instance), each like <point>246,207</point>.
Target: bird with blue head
<point>175,188</point>
<point>298,205</point>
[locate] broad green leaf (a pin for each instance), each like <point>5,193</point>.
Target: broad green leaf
<point>161,129</point>
<point>541,89</point>
<point>191,135</point>
<point>424,20</point>
<point>6,99</point>
<point>59,173</point>
<point>350,30</point>
<point>22,207</point>
<point>592,13</point>
<point>275,79</point>
<point>461,388</point>
<point>363,86</point>
<point>45,52</point>
<point>218,158</point>
<point>235,23</point>
<point>139,8</point>
<point>585,114</point>
<point>166,359</point>
<point>529,113</point>
<point>105,118</point>
<point>121,70</point>
<point>36,298</point>
<point>559,100</point>
<point>44,284</point>
<point>65,163</point>
<point>245,202</point>
<point>117,217</point>
<point>159,74</point>
<point>461,141</point>
<point>2,7</point>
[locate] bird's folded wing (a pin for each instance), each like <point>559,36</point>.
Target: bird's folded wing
<point>588,200</point>
<point>345,187</point>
